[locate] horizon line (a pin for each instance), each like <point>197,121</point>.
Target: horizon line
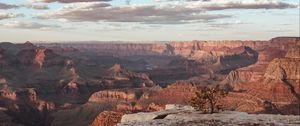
<point>137,41</point>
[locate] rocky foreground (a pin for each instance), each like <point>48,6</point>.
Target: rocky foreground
<point>186,116</point>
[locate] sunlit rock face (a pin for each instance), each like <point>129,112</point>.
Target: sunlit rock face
<point>279,86</point>
<point>106,96</point>
<point>107,118</point>
<point>285,71</point>
<point>127,78</point>
<point>33,57</point>
<point>287,68</point>
<point>293,53</point>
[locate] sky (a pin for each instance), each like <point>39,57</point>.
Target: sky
<point>146,20</point>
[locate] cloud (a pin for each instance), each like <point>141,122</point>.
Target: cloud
<point>245,4</point>
<point>149,14</point>
<point>188,11</point>
<point>7,6</point>
<point>4,15</point>
<point>68,1</point>
<point>28,25</point>
<point>211,5</point>
<point>279,30</point>
<point>226,24</point>
<point>172,0</point>
<point>30,6</point>
<point>37,7</point>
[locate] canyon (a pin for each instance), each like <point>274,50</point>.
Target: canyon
<point>81,84</point>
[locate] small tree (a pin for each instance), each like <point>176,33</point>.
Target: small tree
<point>207,99</point>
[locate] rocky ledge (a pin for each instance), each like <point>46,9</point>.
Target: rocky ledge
<point>185,116</point>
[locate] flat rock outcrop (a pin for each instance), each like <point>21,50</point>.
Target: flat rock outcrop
<point>179,117</point>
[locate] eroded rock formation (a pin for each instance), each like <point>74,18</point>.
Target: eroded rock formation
<point>279,87</point>
<point>107,118</point>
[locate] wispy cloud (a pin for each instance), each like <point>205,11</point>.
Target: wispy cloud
<point>7,6</point>
<point>170,13</point>
<point>163,18</point>
<point>28,25</point>
<point>226,24</point>
<point>4,15</point>
<point>210,5</point>
<point>280,30</point>
<point>36,7</point>
<point>68,1</point>
<point>150,14</point>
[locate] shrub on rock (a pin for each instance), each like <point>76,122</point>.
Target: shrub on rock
<point>207,99</point>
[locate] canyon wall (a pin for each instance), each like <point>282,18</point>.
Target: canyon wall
<point>185,49</point>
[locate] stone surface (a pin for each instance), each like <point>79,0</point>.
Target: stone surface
<point>178,107</point>
<point>196,118</point>
<point>143,117</point>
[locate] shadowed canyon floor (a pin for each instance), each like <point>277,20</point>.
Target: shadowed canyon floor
<point>81,84</point>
